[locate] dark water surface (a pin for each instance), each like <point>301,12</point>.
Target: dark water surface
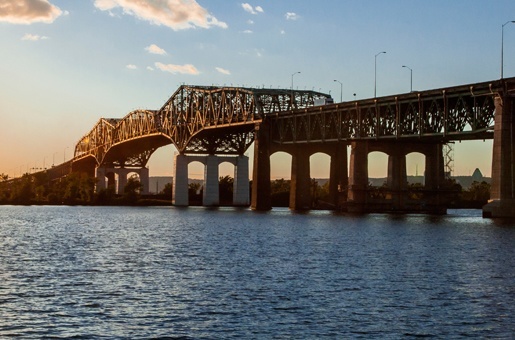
<point>90,272</point>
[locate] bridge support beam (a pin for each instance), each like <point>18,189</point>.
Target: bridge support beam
<point>241,195</point>
<point>103,173</point>
<point>502,193</point>
<point>300,185</point>
<point>261,170</point>
<point>358,177</point>
<point>211,195</point>
<point>180,181</point>
<point>397,180</point>
<point>211,191</point>
<point>338,176</point>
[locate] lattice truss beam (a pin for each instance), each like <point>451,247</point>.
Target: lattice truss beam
<point>456,113</point>
<point>195,119</point>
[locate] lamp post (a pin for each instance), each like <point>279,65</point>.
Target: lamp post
<point>411,78</point>
<point>291,100</point>
<point>502,45</point>
<point>53,158</point>
<point>341,90</point>
<point>375,72</point>
<point>64,155</point>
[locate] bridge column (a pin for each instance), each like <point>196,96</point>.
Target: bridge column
<point>358,177</point>
<point>241,182</point>
<point>397,180</point>
<point>122,179</point>
<point>261,191</point>
<point>434,178</point>
<point>144,179</point>
<point>100,174</point>
<point>180,181</point>
<point>111,180</point>
<point>300,187</point>
<point>338,176</point>
<point>502,194</point>
<point>211,187</point>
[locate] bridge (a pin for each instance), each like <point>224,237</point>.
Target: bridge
<point>218,124</point>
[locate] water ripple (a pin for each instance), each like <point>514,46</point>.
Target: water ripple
<point>164,273</point>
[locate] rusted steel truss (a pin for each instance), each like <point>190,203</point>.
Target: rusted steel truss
<point>196,119</point>
<point>457,113</point>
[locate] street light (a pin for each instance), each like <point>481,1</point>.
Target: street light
<point>341,90</point>
<point>291,100</point>
<point>375,72</point>
<point>411,78</point>
<point>502,45</point>
<point>64,155</point>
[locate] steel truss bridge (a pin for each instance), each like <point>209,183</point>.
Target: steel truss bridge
<point>222,120</point>
<point>209,121</point>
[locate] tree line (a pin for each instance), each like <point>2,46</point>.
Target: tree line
<point>79,189</point>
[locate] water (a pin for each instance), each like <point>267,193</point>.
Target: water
<point>94,272</point>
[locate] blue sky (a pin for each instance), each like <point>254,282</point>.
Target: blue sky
<point>64,64</point>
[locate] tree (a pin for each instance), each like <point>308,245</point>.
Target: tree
<point>132,189</point>
<point>479,192</point>
<point>225,187</point>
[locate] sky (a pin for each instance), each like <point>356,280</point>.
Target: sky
<point>65,64</point>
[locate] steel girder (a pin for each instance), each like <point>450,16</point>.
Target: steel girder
<point>456,113</point>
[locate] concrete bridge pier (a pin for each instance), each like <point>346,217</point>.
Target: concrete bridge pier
<point>502,192</point>
<point>180,181</point>
<point>211,193</point>
<point>241,194</point>
<point>358,177</point>
<point>338,176</point>
<point>300,184</point>
<point>261,170</point>
<point>397,180</point>
<point>103,173</point>
<point>434,176</point>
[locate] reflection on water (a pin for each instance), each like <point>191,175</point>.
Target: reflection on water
<point>232,273</point>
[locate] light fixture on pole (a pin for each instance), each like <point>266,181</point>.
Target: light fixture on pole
<point>411,78</point>
<point>341,90</point>
<point>502,45</point>
<point>291,99</point>
<point>375,72</point>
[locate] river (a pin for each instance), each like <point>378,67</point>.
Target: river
<point>199,273</point>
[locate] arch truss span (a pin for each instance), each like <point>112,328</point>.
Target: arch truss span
<point>211,195</point>
<point>193,112</point>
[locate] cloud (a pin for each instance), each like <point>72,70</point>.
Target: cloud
<point>252,10</point>
<point>150,68</point>
<point>176,14</point>
<point>154,49</point>
<point>33,37</point>
<point>183,69</point>
<point>223,71</point>
<point>248,32</point>
<point>28,11</point>
<point>292,16</point>
<point>132,67</point>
